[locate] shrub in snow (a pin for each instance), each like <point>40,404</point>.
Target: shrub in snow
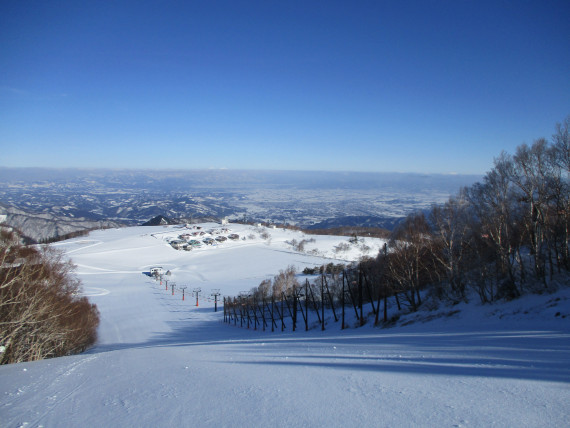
<point>341,248</point>
<point>300,247</point>
<point>353,239</point>
<point>41,312</point>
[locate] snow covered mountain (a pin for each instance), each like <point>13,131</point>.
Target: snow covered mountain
<point>43,226</point>
<point>165,361</point>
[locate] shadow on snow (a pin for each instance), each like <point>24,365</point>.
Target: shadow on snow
<point>529,355</point>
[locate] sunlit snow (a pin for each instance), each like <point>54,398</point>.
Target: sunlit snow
<point>161,361</point>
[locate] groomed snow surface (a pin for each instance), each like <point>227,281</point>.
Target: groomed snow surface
<point>161,361</point>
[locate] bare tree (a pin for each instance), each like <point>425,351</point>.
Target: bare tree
<point>451,229</point>
<point>561,157</point>
<point>494,206</point>
<point>284,282</point>
<point>263,290</point>
<point>41,312</point>
<point>532,174</point>
<point>410,263</point>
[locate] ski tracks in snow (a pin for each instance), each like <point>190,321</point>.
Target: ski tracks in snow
<point>55,384</point>
<point>102,271</point>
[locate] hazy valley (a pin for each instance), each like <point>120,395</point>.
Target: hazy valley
<point>44,203</point>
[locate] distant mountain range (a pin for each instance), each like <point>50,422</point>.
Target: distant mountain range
<point>46,203</point>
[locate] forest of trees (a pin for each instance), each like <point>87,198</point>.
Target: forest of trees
<point>42,314</point>
<point>502,237</point>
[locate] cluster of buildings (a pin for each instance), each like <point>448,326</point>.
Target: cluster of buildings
<point>198,237</point>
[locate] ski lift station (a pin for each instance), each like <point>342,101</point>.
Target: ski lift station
<point>155,271</point>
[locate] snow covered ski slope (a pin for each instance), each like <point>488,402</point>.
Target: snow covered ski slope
<point>163,362</point>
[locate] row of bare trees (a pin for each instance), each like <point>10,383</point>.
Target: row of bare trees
<point>41,312</point>
<point>501,236</point>
<point>274,301</point>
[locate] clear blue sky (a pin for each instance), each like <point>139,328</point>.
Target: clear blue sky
<point>418,86</point>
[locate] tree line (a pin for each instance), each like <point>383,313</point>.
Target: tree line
<point>502,237</point>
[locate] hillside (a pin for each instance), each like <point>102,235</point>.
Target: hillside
<point>163,361</point>
<point>40,227</point>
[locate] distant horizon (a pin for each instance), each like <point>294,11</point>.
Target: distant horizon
<point>181,170</point>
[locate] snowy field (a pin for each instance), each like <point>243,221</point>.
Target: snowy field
<point>163,362</point>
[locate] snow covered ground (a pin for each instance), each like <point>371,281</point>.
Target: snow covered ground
<point>162,361</point>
